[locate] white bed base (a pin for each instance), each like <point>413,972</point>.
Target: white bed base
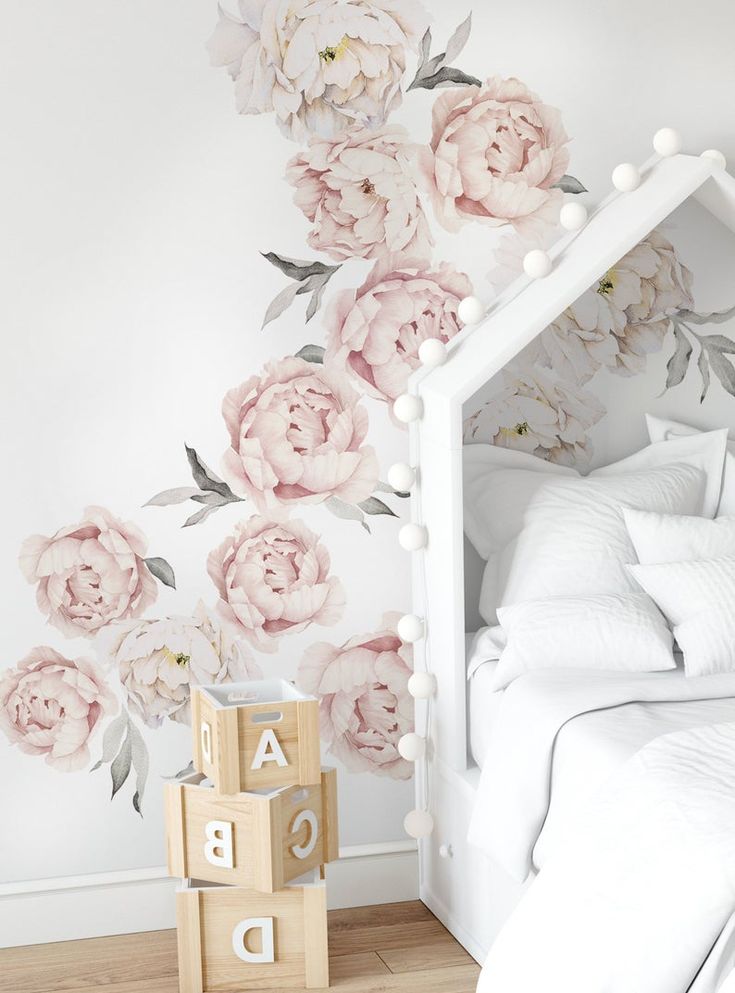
<point>468,893</point>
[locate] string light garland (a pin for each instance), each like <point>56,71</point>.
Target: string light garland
<point>410,628</point>
<point>401,477</point>
<point>667,142</point>
<point>471,310</point>
<point>717,157</point>
<point>407,408</point>
<point>573,216</point>
<point>537,263</point>
<point>626,177</point>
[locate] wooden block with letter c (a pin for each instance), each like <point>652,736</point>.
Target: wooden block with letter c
<point>255,840</point>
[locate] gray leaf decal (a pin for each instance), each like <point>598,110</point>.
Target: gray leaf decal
<point>210,499</point>
<point>163,572</point>
<point>387,488</point>
<point>204,477</point>
<point>140,760</point>
<point>168,497</point>
<point>316,300</point>
<point>724,370</point>
<point>346,511</point>
<point>459,39</point>
<point>311,353</point>
<point>200,515</point>
<point>446,76</point>
<point>717,317</point>
<point>678,364</point>
<point>299,269</point>
<point>182,772</point>
<point>703,366</point>
<point>568,184</point>
<point>120,768</point>
<point>111,739</point>
<point>425,45</point>
<point>374,506</point>
<point>718,341</point>
<point>281,302</point>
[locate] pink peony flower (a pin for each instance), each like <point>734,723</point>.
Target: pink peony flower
<point>376,331</point>
<point>51,706</point>
<point>158,662</point>
<point>90,573</point>
<point>273,579</point>
<point>319,66</point>
<point>359,194</point>
<point>495,153</point>
<point>365,706</point>
<point>296,434</point>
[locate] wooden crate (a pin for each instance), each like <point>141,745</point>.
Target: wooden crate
<point>257,735</point>
<point>257,840</point>
<point>236,939</point>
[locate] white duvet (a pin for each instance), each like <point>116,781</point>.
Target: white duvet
<point>639,897</point>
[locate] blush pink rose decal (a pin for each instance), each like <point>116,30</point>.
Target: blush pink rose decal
<point>89,574</point>
<point>358,192</point>
<point>296,435</point>
<point>273,579</point>
<point>365,706</point>
<point>375,332</point>
<point>495,155</point>
<point>52,706</point>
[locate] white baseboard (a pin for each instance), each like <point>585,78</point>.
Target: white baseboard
<point>69,907</point>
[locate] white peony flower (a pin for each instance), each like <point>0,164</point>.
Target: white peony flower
<point>320,65</point>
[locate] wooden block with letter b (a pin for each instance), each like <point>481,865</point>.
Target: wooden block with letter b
<point>258,735</point>
<point>236,939</point>
<point>256,840</point>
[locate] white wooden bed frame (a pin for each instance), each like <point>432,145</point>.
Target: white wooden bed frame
<point>470,894</point>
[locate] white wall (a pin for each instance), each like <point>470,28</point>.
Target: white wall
<point>136,204</point>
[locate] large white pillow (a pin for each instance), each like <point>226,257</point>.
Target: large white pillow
<point>698,598</point>
<point>623,633</point>
<point>662,429</point>
<point>674,538</point>
<point>550,532</point>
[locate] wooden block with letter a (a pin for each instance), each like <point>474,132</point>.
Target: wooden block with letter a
<point>256,840</point>
<point>231,938</point>
<point>257,735</point>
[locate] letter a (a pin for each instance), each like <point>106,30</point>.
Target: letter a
<point>269,750</point>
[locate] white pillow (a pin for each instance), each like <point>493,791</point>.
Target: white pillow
<point>546,531</point>
<point>661,429</point>
<point>623,633</point>
<point>698,598</point>
<point>674,538</point>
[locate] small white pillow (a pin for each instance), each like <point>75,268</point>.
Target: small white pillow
<point>661,429</point>
<point>678,538</point>
<point>698,598</point>
<point>622,633</point>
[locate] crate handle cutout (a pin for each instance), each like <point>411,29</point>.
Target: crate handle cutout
<point>247,697</point>
<point>271,717</point>
<point>299,795</point>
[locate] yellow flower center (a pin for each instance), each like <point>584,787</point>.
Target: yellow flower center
<point>332,52</point>
<point>367,186</point>
<point>177,658</point>
<point>607,283</point>
<point>522,428</point>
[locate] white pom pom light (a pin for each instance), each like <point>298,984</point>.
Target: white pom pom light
<point>411,747</point>
<point>418,823</point>
<point>470,310</point>
<point>412,537</point>
<point>410,628</point>
<point>407,408</point>
<point>666,141</point>
<point>432,352</point>
<point>421,685</point>
<point>573,216</point>
<point>537,264</point>
<point>716,156</point>
<point>401,477</point>
<point>626,177</point>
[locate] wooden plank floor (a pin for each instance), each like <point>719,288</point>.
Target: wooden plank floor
<point>394,948</point>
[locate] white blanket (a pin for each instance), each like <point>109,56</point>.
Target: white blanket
<point>513,795</point>
<point>643,889</point>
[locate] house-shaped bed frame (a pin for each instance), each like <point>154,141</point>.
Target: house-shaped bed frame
<point>461,886</point>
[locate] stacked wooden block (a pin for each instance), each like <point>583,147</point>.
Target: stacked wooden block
<point>259,814</point>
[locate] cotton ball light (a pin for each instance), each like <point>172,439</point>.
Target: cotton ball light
<point>666,141</point>
<point>401,477</point>
<point>410,628</point>
<point>432,352</point>
<point>537,263</point>
<point>573,216</point>
<point>626,177</point>
<point>418,824</point>
<point>412,537</point>
<point>421,685</point>
<point>470,310</point>
<point>411,746</point>
<point>407,408</point>
<point>717,157</point>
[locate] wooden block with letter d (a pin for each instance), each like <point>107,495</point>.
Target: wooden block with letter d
<point>236,939</point>
<point>256,840</point>
<point>257,735</point>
